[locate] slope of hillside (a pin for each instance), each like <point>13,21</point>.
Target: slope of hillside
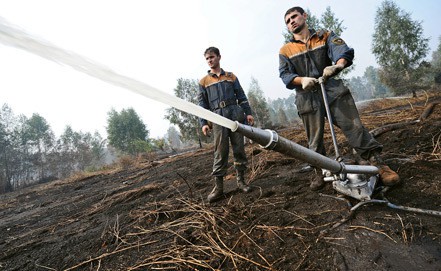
<point>153,215</point>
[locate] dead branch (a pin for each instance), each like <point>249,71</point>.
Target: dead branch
<point>189,187</point>
<point>428,110</point>
<point>394,126</point>
<point>436,146</point>
<point>372,230</point>
<point>305,254</point>
<point>108,254</point>
<point>390,127</point>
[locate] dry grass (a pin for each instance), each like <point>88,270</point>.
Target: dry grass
<point>181,235</point>
<point>126,161</point>
<point>436,142</point>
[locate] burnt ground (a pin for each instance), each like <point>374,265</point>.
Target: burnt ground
<point>152,214</point>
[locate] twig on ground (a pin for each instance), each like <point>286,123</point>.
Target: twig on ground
<point>403,231</point>
<point>369,229</point>
<point>45,267</point>
<point>305,254</point>
<point>109,254</point>
<point>190,191</point>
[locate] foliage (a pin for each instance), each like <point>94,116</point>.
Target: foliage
<point>9,148</point>
<point>126,132</point>
<point>159,143</point>
<point>436,63</point>
<point>359,88</point>
<point>173,138</point>
<point>283,110</point>
<point>30,153</point>
<point>38,136</point>
<point>187,89</point>
<point>376,88</point>
<point>327,20</point>
<point>78,151</point>
<point>330,22</point>
<point>282,119</point>
<point>258,105</point>
<point>312,20</point>
<point>368,86</point>
<point>399,47</point>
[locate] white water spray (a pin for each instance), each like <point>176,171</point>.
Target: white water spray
<point>15,37</point>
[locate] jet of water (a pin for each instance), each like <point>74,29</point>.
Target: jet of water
<point>11,35</point>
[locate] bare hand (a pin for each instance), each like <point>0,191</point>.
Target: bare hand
<point>250,120</point>
<point>206,130</point>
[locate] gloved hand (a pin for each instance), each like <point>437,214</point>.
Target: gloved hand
<point>332,70</point>
<point>308,83</point>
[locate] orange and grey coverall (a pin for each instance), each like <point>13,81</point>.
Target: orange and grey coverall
<point>309,59</point>
<point>224,96</point>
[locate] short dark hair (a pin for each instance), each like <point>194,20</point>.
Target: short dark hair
<point>299,9</point>
<point>212,50</point>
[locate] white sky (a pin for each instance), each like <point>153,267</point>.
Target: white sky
<point>157,42</point>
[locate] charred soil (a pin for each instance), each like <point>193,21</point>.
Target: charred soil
<point>153,214</point>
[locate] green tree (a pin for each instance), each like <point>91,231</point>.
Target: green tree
<point>378,89</point>
<point>312,21</point>
<point>8,149</point>
<point>282,119</point>
<point>279,111</point>
<point>358,86</point>
<point>77,151</point>
<point>173,138</point>
<point>40,139</point>
<point>159,143</point>
<point>67,151</point>
<point>288,107</point>
<point>187,89</point>
<point>97,146</point>
<point>25,149</point>
<point>368,86</point>
<point>399,47</point>
<point>330,22</point>
<point>30,153</point>
<point>258,104</point>
<point>436,64</point>
<point>327,20</point>
<point>126,132</point>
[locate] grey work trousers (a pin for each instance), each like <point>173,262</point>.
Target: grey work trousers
<point>222,138</point>
<point>344,115</point>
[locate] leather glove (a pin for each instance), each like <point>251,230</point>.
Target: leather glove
<point>332,70</point>
<point>308,83</point>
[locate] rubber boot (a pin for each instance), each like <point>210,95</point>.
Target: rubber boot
<point>218,189</point>
<point>241,182</point>
<point>387,175</point>
<point>317,181</point>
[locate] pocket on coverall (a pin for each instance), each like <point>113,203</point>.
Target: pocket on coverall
<point>305,102</point>
<point>238,114</point>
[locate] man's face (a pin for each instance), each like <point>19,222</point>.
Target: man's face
<point>212,60</point>
<point>295,21</point>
